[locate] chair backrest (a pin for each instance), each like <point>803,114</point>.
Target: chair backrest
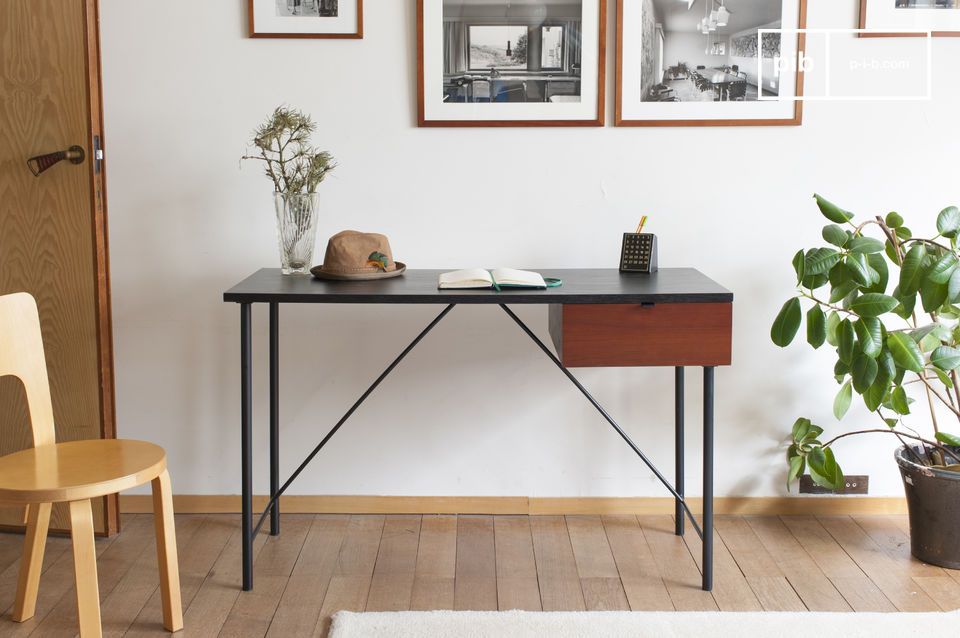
<point>21,355</point>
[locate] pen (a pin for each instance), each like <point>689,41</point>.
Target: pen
<point>643,222</point>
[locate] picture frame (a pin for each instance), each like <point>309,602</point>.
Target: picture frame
<point>890,18</point>
<point>742,86</point>
<point>508,64</point>
<point>332,19</point>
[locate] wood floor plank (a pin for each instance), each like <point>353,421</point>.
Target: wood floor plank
<point>122,606</point>
<point>943,590</point>
<point>599,577</point>
<point>56,583</point>
<point>768,582</point>
<point>730,589</point>
<point>641,580</point>
<point>475,587</point>
<point>112,566</point>
<point>679,571</point>
<point>433,581</point>
<point>391,588</point>
<point>11,547</point>
<point>350,583</point>
<point>857,589</point>
<point>56,546</point>
<point>253,611</point>
<point>517,585</point>
<point>891,577</point>
<point>560,588</point>
<point>214,599</point>
<point>196,560</point>
<point>299,607</point>
<point>815,590</point>
<point>895,542</point>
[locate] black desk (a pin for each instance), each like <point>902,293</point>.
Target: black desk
<point>600,317</point>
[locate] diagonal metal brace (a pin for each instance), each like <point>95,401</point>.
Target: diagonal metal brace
<point>606,415</point>
<point>349,413</point>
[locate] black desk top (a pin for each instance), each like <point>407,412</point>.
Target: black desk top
<point>593,286</point>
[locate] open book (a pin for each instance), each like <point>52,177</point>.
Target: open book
<point>497,278</point>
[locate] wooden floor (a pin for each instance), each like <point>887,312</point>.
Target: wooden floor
<point>321,564</point>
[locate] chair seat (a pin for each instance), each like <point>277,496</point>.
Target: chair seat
<point>78,470</point>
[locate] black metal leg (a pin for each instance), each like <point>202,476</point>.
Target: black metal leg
<point>708,373</point>
<point>274,417</point>
<point>678,448</point>
<point>246,432</point>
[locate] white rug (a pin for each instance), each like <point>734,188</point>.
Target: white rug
<point>522,624</point>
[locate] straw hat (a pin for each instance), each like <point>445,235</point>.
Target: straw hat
<point>352,255</point>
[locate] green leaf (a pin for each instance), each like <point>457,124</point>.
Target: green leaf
<point>894,220</point>
<point>953,287</point>
<point>800,428</point>
<point>912,269</point>
<point>907,303</point>
<point>932,295</point>
<point>846,340</point>
<point>946,358</point>
<point>879,265</point>
<point>842,291</point>
<point>797,465</point>
<point>873,304</point>
<point>833,212</point>
<point>948,439</point>
<point>833,234</point>
<point>814,281</point>
<point>824,470</point>
<point>857,265</point>
<point>816,327</point>
<point>943,268</point>
<point>798,265</point>
<point>842,401</point>
<point>948,221</point>
<point>869,335</point>
<point>865,245</point>
<point>906,353</point>
<point>899,400</point>
<point>891,423</point>
<point>887,364</point>
<point>786,324</point>
<point>833,323</point>
<point>944,378</point>
<point>819,261</point>
<point>864,372</point>
<point>877,392</point>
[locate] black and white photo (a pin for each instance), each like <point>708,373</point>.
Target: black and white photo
<point>708,60</point>
<point>308,8</point>
<point>305,18</point>
<point>505,61</point>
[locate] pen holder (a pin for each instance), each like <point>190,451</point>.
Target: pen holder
<point>639,253</point>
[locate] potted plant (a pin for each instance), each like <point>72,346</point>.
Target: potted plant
<point>889,303</point>
<point>296,169</point>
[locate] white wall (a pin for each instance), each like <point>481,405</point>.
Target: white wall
<point>689,48</point>
<point>476,409</point>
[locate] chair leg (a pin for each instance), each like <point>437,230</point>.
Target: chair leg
<point>167,553</point>
<point>38,522</point>
<point>85,566</point>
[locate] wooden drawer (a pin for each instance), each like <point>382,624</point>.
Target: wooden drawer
<point>616,335</point>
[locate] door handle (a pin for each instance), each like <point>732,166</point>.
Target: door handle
<point>40,163</point>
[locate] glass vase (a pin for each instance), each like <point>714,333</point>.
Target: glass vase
<point>296,230</point>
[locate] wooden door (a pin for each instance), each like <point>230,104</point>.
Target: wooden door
<point>53,234</point>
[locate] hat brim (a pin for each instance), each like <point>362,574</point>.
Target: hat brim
<point>320,273</point>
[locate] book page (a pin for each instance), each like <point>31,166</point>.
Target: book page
<point>469,278</point>
<point>513,277</point>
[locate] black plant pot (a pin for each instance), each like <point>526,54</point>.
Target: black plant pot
<point>933,499</point>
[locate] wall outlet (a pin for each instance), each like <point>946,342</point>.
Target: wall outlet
<point>854,485</point>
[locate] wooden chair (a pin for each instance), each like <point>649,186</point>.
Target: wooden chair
<point>74,473</point>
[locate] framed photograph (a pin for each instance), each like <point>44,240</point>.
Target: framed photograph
<point>709,62</point>
<point>889,18</point>
<point>305,18</point>
<point>511,63</point>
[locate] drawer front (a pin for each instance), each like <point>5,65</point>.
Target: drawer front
<point>615,335</point>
